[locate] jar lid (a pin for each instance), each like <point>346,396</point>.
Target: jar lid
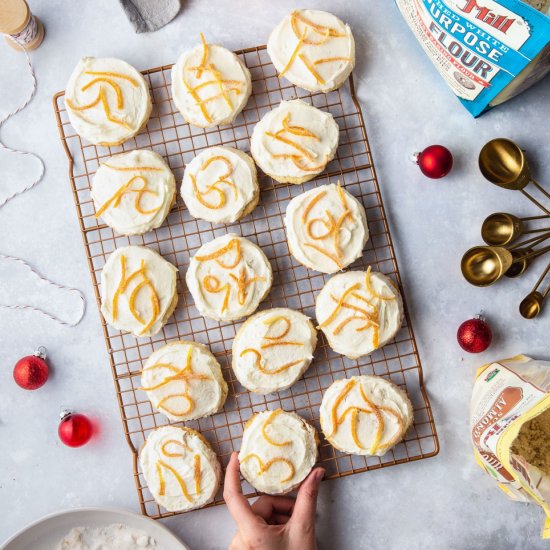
<point>14,16</point>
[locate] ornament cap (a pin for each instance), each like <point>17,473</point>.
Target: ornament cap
<point>64,413</point>
<point>41,352</point>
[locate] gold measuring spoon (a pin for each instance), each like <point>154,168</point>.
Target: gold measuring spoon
<point>531,305</point>
<point>500,229</point>
<point>503,163</point>
<point>485,265</point>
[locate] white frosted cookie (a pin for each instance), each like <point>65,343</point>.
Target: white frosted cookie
<point>220,185</point>
<point>181,469</point>
<point>133,192</point>
<point>210,85</point>
<point>326,228</point>
<point>294,142</point>
<point>107,100</point>
<point>138,290</point>
<point>228,278</point>
<point>273,349</point>
<point>184,381</point>
<point>359,312</point>
<point>313,49</point>
<point>278,451</point>
<point>365,415</point>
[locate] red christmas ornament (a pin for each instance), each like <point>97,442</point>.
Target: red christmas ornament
<point>31,372</point>
<point>74,429</point>
<point>435,161</point>
<point>474,335</point>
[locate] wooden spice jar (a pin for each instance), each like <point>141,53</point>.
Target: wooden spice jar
<point>23,27</point>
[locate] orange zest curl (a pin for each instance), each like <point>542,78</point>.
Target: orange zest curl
<point>298,130</point>
<point>291,143</point>
<point>269,463</point>
<point>215,186</point>
<point>272,321</point>
<point>122,287</point>
<point>212,284</point>
<point>174,442</point>
<point>260,367</point>
<point>233,243</point>
<point>131,80</point>
<point>197,473</point>
<point>315,27</point>
<point>311,204</point>
<point>311,69</point>
<point>325,253</point>
<point>267,423</point>
<point>161,404</point>
<point>243,282</point>
<point>368,283</point>
<point>114,85</point>
<point>331,60</point>
<point>179,479</point>
<point>114,201</point>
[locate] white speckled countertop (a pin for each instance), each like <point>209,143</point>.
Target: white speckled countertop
<point>440,503</point>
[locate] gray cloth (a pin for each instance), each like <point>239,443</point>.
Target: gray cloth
<point>150,15</point>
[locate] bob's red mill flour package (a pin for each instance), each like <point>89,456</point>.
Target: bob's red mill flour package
<point>488,51</point>
<point>510,428</point>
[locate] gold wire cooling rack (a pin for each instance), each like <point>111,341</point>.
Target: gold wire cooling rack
<point>294,286</point>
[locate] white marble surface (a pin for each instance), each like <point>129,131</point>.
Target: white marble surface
<point>441,503</point>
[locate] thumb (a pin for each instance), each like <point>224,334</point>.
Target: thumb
<point>303,515</point>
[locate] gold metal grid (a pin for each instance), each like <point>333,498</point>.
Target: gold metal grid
<point>294,286</point>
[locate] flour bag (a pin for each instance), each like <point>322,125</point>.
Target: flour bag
<point>488,51</point>
<point>510,428</point>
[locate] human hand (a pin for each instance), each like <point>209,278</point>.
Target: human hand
<point>272,522</point>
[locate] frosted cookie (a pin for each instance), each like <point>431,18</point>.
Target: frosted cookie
<point>294,142</point>
<point>210,85</point>
<point>184,381</point>
<point>326,228</point>
<point>138,290</point>
<point>273,349</point>
<point>359,312</point>
<point>365,415</point>
<point>181,469</point>
<point>133,192</point>
<point>107,100</point>
<point>220,185</point>
<point>228,278</point>
<point>278,451</point>
<point>313,49</point>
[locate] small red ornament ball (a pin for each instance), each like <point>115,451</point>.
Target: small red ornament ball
<point>31,372</point>
<point>474,335</point>
<point>74,429</point>
<point>435,161</point>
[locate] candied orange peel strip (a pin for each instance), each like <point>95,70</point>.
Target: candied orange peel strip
<point>204,59</point>
<point>273,320</point>
<point>267,423</point>
<point>334,413</point>
<point>219,158</point>
<point>323,30</point>
<point>297,130</point>
<point>197,473</point>
<point>379,418</point>
<point>342,298</point>
<point>291,59</point>
<point>114,85</point>
<point>260,367</point>
<point>123,285</point>
<point>233,243</point>
<point>115,199</point>
<point>243,282</point>
<point>297,146</point>
<point>198,101</point>
<point>132,81</point>
<point>325,253</point>
<point>177,443</point>
<point>311,204</point>
<point>368,283</point>
<point>179,479</point>
<point>212,284</point>
<point>265,467</point>
<point>311,68</point>
<point>161,404</point>
<point>200,194</point>
<point>331,60</point>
